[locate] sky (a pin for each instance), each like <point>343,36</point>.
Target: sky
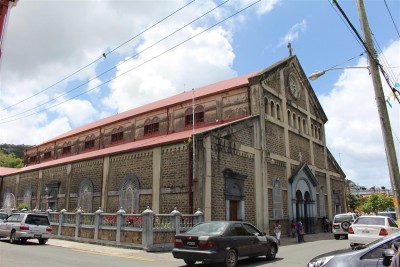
<point>67,63</point>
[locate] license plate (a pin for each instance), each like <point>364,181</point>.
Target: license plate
<point>37,236</point>
<point>191,243</point>
<point>366,231</point>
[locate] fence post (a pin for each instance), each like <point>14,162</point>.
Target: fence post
<point>147,227</point>
<point>199,216</point>
<point>78,222</point>
<point>61,221</point>
<point>97,223</point>
<point>119,225</point>
<point>177,219</point>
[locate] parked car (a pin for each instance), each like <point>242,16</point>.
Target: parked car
<point>223,241</point>
<point>24,226</point>
<point>3,216</point>
<point>368,228</point>
<point>391,214</point>
<point>341,224</point>
<point>377,253</point>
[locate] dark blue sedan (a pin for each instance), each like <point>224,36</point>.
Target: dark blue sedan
<point>223,241</point>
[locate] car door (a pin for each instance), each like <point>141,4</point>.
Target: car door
<point>373,257</point>
<point>259,241</point>
<point>6,227</point>
<point>241,240</point>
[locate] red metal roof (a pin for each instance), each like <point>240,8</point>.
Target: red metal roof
<point>6,171</point>
<point>173,100</point>
<point>118,149</point>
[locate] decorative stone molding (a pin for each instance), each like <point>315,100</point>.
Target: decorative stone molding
<point>143,154</point>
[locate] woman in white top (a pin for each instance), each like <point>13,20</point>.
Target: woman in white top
<point>277,231</point>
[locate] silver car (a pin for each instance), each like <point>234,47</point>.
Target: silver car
<point>377,254</point>
<point>24,226</point>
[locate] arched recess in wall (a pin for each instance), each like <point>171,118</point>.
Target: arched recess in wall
<point>85,200</point>
<point>277,204</point>
<point>129,193</point>
<point>27,197</point>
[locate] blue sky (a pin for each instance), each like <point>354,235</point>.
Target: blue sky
<point>47,41</point>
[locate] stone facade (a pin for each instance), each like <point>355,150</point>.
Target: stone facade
<point>257,153</point>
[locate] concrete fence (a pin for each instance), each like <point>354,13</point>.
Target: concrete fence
<point>147,230</point>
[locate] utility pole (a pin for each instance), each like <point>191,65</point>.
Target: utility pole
<point>382,110</point>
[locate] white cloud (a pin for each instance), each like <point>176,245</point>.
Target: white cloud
<point>354,133</point>
<point>293,33</point>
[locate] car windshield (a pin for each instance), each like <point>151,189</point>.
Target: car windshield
<point>370,221</point>
<point>342,218</point>
<point>210,228</point>
<point>37,220</point>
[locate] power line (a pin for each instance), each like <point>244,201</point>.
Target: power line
<point>392,18</point>
<point>99,58</point>
<point>120,63</point>
<point>143,63</point>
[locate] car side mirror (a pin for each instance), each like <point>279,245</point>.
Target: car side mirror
<point>387,256</point>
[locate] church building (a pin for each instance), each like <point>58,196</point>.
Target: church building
<point>249,148</point>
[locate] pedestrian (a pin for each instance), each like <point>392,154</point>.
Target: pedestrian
<point>299,231</point>
<point>327,224</point>
<point>293,227</point>
<point>323,223</point>
<point>278,232</point>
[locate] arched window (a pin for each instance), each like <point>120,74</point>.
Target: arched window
<point>66,148</point>
<point>277,198</point>
<point>129,194</point>
<point>266,106</point>
<point>289,118</point>
<point>312,130</point>
<point>272,109</point>
<point>294,120</point>
<point>198,116</point>
<point>304,126</point>
<point>299,123</point>
<point>89,141</point>
<point>278,111</point>
<point>117,135</point>
<point>85,198</point>
<point>319,133</point>
<point>47,154</point>
<point>156,124</point>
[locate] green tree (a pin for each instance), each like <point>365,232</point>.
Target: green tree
<point>10,160</point>
<point>376,202</point>
<point>353,201</point>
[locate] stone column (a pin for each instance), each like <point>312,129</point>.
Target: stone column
<point>147,228</point>
<point>156,179</point>
<point>104,189</point>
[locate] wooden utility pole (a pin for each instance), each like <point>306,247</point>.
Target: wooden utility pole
<point>382,110</point>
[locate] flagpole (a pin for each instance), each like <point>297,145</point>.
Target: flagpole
<point>194,154</point>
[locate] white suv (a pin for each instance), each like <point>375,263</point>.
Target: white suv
<point>24,226</point>
<point>341,224</point>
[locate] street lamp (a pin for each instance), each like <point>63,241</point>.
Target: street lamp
<point>393,167</point>
<point>316,74</point>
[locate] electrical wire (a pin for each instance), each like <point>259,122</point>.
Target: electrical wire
<point>120,63</point>
<point>394,24</point>
<point>143,63</point>
<point>99,58</point>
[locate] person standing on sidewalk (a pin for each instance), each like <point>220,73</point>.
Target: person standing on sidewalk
<point>300,231</point>
<point>293,228</point>
<point>278,232</point>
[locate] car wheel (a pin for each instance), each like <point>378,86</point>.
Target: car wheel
<point>271,253</point>
<point>42,241</point>
<point>23,240</point>
<point>190,263</point>
<point>13,239</point>
<point>337,237</point>
<point>231,258</point>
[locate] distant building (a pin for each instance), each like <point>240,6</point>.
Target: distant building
<point>259,155</point>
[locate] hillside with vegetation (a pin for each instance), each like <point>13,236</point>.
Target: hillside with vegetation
<point>12,156</point>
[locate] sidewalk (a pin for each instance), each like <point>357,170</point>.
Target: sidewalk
<point>285,240</point>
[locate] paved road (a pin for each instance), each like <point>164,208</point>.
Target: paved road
<point>68,253</point>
